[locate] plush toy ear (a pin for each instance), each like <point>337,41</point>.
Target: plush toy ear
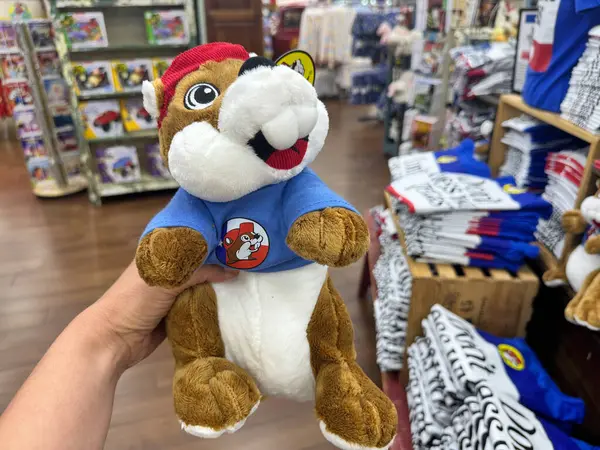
<point>152,93</point>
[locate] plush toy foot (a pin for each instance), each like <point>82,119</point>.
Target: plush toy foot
<point>554,277</point>
<point>571,307</point>
<point>333,237</point>
<point>213,396</point>
<point>587,311</point>
<point>354,414</point>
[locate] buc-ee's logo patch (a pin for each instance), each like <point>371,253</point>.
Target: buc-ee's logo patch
<point>244,244</point>
<point>446,159</point>
<point>512,357</point>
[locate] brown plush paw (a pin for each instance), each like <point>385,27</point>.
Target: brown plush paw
<point>167,257</point>
<point>554,277</point>
<point>571,307</point>
<point>213,396</point>
<point>587,311</point>
<point>354,413</point>
<point>334,237</point>
<point>592,245</point>
<point>573,222</point>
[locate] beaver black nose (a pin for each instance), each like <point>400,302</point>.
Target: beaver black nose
<point>254,62</point>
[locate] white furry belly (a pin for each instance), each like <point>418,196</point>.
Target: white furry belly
<point>263,319</point>
<point>579,265</point>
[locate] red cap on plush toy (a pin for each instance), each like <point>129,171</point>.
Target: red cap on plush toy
<point>191,60</point>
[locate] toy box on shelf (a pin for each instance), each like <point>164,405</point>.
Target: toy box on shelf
<point>48,63</point>
<point>135,117</point>
<point>42,34</point>
<point>84,30</point>
<point>101,118</point>
<point>129,75</point>
<point>166,27</point>
<point>496,301</point>
<point>160,65</point>
<point>8,37</point>
<point>93,77</point>
<point>118,164</point>
<point>13,66</point>
<point>156,166</point>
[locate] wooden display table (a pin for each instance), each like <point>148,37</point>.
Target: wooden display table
<point>494,300</point>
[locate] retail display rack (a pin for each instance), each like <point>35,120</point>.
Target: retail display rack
<point>513,106</point>
<point>33,94</point>
<point>121,160</point>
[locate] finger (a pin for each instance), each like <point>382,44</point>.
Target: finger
<point>210,273</point>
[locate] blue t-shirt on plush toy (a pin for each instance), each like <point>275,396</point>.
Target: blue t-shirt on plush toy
<point>559,39</point>
<point>249,233</point>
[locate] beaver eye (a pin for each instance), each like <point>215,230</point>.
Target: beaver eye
<point>245,238</point>
<point>200,96</point>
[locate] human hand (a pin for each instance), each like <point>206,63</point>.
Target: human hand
<point>129,315</point>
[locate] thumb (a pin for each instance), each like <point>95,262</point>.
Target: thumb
<point>210,273</point>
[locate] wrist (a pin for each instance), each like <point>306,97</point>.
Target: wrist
<point>98,338</point>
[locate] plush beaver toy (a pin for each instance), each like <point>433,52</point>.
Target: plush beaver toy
<point>237,133</point>
<point>582,267</point>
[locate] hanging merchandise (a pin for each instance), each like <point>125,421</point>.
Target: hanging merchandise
<point>559,40</point>
<point>325,33</point>
<point>582,102</point>
<point>470,389</point>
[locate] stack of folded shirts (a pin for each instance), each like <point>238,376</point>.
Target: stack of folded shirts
<point>565,172</point>
<point>468,122</point>
<point>470,390</point>
<point>530,142</point>
<point>459,159</point>
<point>482,70</point>
<point>582,102</point>
<point>458,218</point>
<point>394,285</point>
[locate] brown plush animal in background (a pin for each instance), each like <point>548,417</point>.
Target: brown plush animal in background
<point>237,133</point>
<point>582,268</point>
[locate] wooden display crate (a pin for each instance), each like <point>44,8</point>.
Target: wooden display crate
<point>493,300</point>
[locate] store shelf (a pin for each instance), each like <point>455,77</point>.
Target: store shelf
<point>492,100</point>
<point>109,95</point>
<point>516,101</point>
<point>84,4</point>
<point>147,184</point>
<point>135,135</point>
<point>127,48</point>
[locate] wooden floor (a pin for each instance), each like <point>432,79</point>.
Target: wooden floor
<point>58,256</point>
